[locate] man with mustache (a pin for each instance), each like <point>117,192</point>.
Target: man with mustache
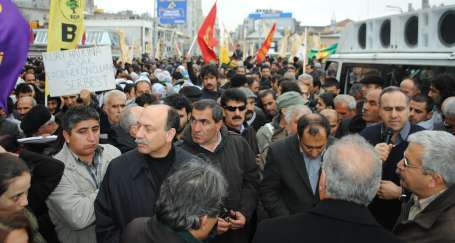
<point>395,127</point>
<point>132,183</point>
<point>208,138</point>
<point>234,103</point>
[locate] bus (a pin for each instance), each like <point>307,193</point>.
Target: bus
<point>418,44</point>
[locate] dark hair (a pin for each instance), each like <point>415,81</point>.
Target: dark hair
<point>238,81</point>
<point>265,66</point>
<point>178,101</point>
<point>142,81</point>
<point>217,111</point>
<point>77,114</point>
<point>145,99</point>
<point>232,94</point>
<point>14,221</point>
<point>327,98</point>
<point>263,93</point>
<point>329,82</point>
<point>128,88</point>
<point>173,119</point>
<point>287,86</point>
<point>445,84</point>
<point>209,69</point>
<point>392,89</point>
<point>421,98</point>
<point>10,167</point>
<point>313,120</point>
<point>23,88</point>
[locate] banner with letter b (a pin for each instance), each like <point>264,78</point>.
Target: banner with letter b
<point>66,24</point>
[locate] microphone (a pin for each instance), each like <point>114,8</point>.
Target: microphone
<point>388,135</point>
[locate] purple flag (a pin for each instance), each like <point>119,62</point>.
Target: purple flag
<point>14,42</point>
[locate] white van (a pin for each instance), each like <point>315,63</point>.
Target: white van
<point>419,44</point>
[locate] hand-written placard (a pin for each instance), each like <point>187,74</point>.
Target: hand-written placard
<point>68,72</point>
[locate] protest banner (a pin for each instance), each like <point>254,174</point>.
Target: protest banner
<point>68,72</point>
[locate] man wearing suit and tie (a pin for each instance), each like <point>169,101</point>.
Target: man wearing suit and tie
<point>292,169</point>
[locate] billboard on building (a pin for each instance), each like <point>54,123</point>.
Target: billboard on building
<point>172,11</point>
<point>263,15</point>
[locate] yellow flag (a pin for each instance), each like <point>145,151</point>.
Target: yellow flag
<point>66,26</point>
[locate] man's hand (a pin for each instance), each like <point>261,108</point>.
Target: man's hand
<point>384,150</point>
<point>86,96</point>
<point>238,221</point>
<point>222,227</point>
<point>388,190</point>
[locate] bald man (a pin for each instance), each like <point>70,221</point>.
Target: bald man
<point>334,120</point>
<point>132,183</point>
<point>409,87</point>
<point>24,105</point>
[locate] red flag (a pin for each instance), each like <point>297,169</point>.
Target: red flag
<point>262,52</point>
<point>206,37</point>
<point>84,38</point>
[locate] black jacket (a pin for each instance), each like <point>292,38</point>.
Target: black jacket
<point>331,221</point>
<point>237,162</point>
<point>46,174</point>
<point>129,190</point>
<point>249,134</point>
<point>149,230</point>
<point>121,139</point>
<point>213,95</point>
<point>386,212</point>
<point>285,188</point>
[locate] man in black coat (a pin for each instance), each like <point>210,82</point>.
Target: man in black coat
<point>292,169</point>
<point>132,182</point>
<point>350,177</point>
<point>208,138</point>
<point>390,141</point>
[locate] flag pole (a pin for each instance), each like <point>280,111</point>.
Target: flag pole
<point>192,45</point>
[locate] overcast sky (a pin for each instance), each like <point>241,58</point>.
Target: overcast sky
<point>309,12</point>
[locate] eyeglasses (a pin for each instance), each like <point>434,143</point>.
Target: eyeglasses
<point>234,108</point>
<point>407,164</point>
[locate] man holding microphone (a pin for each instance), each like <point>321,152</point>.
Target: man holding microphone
<point>390,140</point>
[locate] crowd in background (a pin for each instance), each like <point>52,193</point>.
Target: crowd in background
<point>183,151</point>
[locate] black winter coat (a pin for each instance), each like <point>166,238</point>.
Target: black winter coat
<point>129,190</point>
<point>237,162</point>
<point>331,221</point>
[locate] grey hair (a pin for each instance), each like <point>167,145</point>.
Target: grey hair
<point>448,107</point>
<point>127,118</point>
<point>113,93</point>
<point>296,109</point>
<point>195,189</point>
<point>438,153</point>
<point>353,170</point>
<point>306,76</point>
<point>347,99</point>
<point>34,103</point>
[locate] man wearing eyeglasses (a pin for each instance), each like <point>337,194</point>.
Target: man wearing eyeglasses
<point>389,138</point>
<point>292,168</point>
<point>428,170</point>
<point>234,103</point>
<point>208,138</point>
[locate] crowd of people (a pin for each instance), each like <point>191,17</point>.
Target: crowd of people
<point>183,151</point>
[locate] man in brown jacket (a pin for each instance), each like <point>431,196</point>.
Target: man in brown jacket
<point>428,171</point>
